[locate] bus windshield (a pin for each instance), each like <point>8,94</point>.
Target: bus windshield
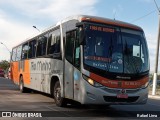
<point>115,49</point>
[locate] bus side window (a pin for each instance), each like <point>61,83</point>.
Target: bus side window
<point>19,50</point>
<point>57,45</point>
<point>25,49</point>
<point>41,47</point>
<point>49,45</point>
<point>14,51</point>
<point>52,45</point>
<point>53,49</point>
<point>32,49</point>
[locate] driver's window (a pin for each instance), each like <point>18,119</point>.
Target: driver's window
<point>25,49</point>
<point>77,52</point>
<point>69,49</point>
<point>136,50</point>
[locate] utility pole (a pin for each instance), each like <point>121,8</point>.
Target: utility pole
<point>157,54</point>
<point>6,47</point>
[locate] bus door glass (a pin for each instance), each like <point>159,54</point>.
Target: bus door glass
<point>72,63</point>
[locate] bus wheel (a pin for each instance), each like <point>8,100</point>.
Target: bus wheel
<point>21,86</point>
<point>60,101</point>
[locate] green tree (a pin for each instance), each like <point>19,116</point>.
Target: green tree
<point>4,64</point>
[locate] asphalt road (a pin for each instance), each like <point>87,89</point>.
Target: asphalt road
<point>11,100</point>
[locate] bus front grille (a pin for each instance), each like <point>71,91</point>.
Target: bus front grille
<point>112,90</point>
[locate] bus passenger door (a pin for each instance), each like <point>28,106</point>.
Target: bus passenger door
<point>71,69</point>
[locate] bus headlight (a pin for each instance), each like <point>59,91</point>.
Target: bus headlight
<point>92,82</point>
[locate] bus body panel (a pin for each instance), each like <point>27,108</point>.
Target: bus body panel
<point>99,95</point>
<point>77,85</point>
<point>41,72</point>
<point>93,95</point>
<point>123,84</point>
<point>14,71</point>
<point>69,80</point>
<point>26,72</point>
<point>87,94</point>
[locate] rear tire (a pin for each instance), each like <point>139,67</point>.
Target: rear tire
<point>59,100</point>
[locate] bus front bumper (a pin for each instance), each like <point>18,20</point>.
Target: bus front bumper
<point>104,95</point>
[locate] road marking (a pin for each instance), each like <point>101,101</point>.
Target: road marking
<point>50,108</point>
<point>58,111</point>
<point>153,104</point>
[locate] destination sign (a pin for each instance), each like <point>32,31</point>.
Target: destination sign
<point>99,28</point>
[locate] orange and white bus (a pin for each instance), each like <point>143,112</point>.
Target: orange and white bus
<point>88,59</point>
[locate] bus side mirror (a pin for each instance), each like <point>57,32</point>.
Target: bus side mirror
<point>81,32</point>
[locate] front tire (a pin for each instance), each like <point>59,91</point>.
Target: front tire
<point>59,100</point>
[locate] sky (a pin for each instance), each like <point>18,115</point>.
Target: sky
<point>18,16</point>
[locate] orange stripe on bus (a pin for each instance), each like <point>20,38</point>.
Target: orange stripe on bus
<point>26,72</point>
<point>16,71</point>
<point>125,84</point>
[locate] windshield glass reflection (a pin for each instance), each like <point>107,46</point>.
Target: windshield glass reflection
<point>115,50</point>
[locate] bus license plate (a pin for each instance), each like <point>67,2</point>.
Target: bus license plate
<point>122,96</point>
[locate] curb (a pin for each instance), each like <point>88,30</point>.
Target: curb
<point>154,97</point>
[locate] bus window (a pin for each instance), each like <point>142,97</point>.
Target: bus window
<point>32,49</point>
<point>41,47</point>
<point>54,44</point>
<point>19,52</point>
<point>49,45</point>
<point>77,52</point>
<point>57,45</point>
<point>14,54</point>
<point>70,38</point>
<point>25,49</point>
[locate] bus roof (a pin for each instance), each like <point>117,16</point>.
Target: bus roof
<point>87,18</point>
